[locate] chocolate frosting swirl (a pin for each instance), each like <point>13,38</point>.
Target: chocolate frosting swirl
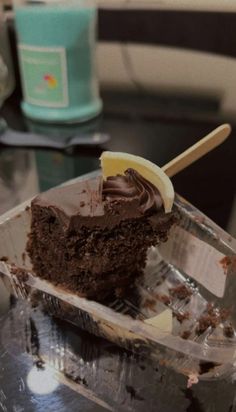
<point>133,185</point>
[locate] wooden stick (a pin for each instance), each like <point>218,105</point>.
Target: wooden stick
<point>198,150</point>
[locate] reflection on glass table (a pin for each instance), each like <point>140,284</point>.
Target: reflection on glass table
<point>55,167</point>
<point>52,365</point>
<point>18,177</point>
<point>6,71</point>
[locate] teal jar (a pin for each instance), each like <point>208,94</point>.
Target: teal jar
<point>57,55</point>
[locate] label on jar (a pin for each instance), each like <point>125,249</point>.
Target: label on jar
<point>44,75</point>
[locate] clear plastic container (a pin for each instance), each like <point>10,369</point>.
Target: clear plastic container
<point>191,277</point>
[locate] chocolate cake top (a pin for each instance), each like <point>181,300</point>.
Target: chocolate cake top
<point>131,185</point>
<point>96,203</point>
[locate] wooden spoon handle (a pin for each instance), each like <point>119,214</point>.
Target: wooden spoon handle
<point>198,150</point>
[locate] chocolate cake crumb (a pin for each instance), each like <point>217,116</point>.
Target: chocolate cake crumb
<point>225,263</point>
<point>185,334</point>
<point>181,316</point>
<point>4,259</point>
<point>180,292</point>
<point>228,261</point>
<point>21,274</point>
<point>228,330</point>
<point>23,257</point>
<point>206,321</point>
<point>13,269</point>
<point>210,308</point>
<point>224,314</point>
<point>164,298</point>
<point>27,208</point>
<point>211,318</point>
<point>82,204</point>
<point>149,304</point>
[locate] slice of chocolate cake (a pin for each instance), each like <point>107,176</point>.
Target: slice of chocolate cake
<point>92,237</point>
